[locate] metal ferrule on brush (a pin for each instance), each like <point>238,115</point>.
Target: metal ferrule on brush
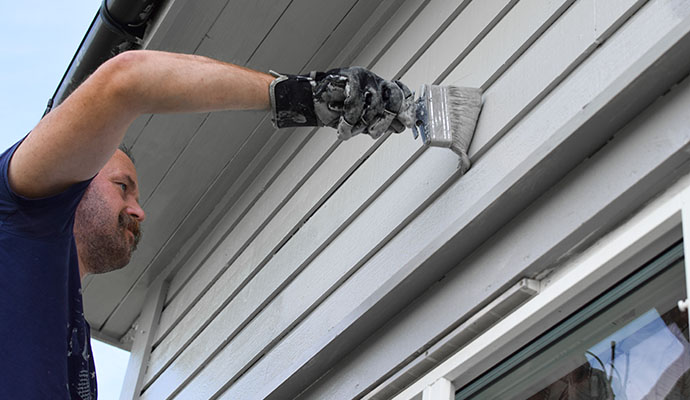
<point>432,119</point>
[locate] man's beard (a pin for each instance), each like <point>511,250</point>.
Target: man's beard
<point>103,246</point>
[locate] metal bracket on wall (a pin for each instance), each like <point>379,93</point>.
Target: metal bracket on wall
<point>683,304</point>
<point>435,353</point>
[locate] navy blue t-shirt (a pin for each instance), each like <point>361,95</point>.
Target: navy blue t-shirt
<point>45,350</point>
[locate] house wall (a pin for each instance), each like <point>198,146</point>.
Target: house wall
<point>344,261</point>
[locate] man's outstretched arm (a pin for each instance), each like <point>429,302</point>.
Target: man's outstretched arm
<point>74,141</point>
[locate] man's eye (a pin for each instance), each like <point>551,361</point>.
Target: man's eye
<point>123,186</point>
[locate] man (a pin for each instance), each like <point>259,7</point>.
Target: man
<point>69,198</point>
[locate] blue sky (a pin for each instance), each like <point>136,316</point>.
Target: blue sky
<point>38,40</point>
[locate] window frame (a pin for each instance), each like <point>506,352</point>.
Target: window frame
<point>573,284</point>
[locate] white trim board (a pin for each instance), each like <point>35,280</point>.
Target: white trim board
<point>141,348</point>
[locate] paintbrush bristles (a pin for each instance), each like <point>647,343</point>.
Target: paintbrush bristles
<point>464,105</point>
<point>446,116</point>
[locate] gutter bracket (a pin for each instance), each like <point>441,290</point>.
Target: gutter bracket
<point>115,26</point>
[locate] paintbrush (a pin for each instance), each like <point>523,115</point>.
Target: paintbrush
<point>446,116</point>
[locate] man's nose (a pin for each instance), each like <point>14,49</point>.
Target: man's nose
<point>136,212</point>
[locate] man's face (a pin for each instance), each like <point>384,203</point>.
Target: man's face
<point>106,227</point>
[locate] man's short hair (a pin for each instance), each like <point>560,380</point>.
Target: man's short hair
<point>128,152</point>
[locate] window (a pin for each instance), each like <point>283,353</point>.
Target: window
<point>630,343</point>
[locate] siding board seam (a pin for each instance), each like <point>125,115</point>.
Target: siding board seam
<point>236,291</point>
<point>234,224</point>
<point>219,216</point>
<point>205,35</point>
<point>196,47</point>
<point>495,21</point>
<point>397,34</point>
<point>531,105</point>
<point>143,128</point>
<point>328,37</point>
<point>270,30</point>
<point>432,38</point>
<point>530,41</point>
<point>266,300</point>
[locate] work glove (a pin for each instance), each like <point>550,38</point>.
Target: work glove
<point>352,100</point>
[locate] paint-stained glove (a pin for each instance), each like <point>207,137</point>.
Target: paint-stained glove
<point>352,100</point>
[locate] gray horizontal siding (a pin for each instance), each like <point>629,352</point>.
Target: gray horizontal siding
<point>291,275</point>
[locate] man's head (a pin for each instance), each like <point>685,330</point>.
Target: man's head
<point>106,227</point>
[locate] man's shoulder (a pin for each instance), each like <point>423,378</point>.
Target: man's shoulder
<point>37,217</point>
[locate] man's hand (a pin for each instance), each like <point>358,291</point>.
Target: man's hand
<point>352,100</point>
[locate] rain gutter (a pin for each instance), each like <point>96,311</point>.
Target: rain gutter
<point>118,26</point>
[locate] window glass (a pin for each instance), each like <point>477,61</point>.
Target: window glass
<point>629,344</point>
